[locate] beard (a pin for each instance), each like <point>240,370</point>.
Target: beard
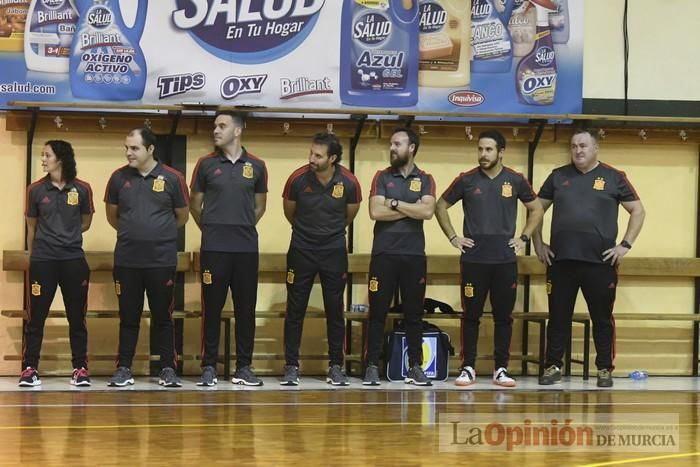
<point>397,161</point>
<point>486,165</point>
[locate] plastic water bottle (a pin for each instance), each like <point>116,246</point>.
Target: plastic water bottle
<point>639,375</point>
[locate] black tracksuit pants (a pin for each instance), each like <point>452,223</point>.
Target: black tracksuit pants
<point>387,273</point>
<point>73,276</point>
<point>221,272</point>
<point>302,267</point>
<point>598,282</point>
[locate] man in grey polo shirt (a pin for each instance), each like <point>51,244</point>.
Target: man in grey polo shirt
<point>402,197</point>
<point>584,253</point>
<point>229,193</point>
<point>146,203</point>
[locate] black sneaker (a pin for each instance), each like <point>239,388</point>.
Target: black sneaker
<point>416,376</point>
<point>168,378</point>
<point>605,378</point>
<point>371,376</point>
<point>121,377</point>
<point>291,376</point>
<point>208,377</point>
<point>245,375</point>
<point>552,375</point>
<point>81,377</point>
<point>336,376</point>
<point>29,377</point>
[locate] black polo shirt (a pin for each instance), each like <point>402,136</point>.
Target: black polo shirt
<point>584,222</point>
<point>147,233</point>
<point>321,211</point>
<point>59,233</point>
<point>490,212</point>
<point>404,236</point>
<point>228,216</point>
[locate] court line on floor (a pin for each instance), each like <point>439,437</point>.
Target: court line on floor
<point>250,425</point>
<point>363,403</point>
<point>643,459</point>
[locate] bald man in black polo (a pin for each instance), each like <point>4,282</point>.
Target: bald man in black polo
<point>146,203</point>
<point>229,194</point>
<point>320,200</point>
<point>489,196</point>
<point>402,197</point>
<point>584,252</point>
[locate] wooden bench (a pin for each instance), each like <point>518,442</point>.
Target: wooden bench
<point>442,269</point>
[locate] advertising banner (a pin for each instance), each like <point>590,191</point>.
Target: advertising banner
<point>490,56</point>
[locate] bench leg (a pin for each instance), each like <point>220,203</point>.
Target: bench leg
<point>348,346</point>
<point>179,325</point>
<point>227,347</point>
<point>543,332</point>
<point>567,357</point>
<point>524,347</point>
<point>586,347</point>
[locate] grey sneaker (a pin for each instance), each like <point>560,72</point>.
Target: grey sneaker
<point>605,378</point>
<point>552,375</point>
<point>121,377</point>
<point>416,376</point>
<point>291,376</point>
<point>336,376</point>
<point>168,378</point>
<point>371,376</point>
<point>245,375</point>
<point>208,377</point>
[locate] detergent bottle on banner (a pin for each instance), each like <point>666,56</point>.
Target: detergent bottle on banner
<point>559,22</point>
<point>491,44</point>
<point>13,18</point>
<point>444,46</point>
<point>48,35</point>
<point>379,53</point>
<point>522,27</point>
<point>106,61</point>
<point>536,75</point>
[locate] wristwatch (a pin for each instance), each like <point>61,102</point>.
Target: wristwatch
<point>394,204</point>
<point>626,244</point>
<point>524,238</point>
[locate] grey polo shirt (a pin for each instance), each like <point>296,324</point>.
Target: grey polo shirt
<point>584,222</point>
<point>490,212</point>
<point>404,236</point>
<point>228,215</point>
<point>147,233</point>
<point>321,211</point>
<point>58,233</point>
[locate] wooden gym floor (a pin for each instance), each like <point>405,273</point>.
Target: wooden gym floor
<point>315,424</point>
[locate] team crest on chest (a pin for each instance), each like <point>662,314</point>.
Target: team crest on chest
<point>73,198</point>
<point>290,277</point>
<point>373,285</point>
<point>338,190</point>
<point>599,184</point>
<point>248,170</point>
<point>159,184</point>
<point>117,288</point>
<point>415,185</point>
<point>36,289</point>
<point>507,190</point>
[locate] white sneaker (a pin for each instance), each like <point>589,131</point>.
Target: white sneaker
<point>467,377</point>
<point>502,378</point>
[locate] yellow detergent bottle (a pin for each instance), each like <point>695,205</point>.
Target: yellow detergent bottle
<point>445,36</point>
<point>13,17</point>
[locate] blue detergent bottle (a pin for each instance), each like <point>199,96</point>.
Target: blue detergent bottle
<point>106,61</point>
<point>536,75</point>
<point>492,49</point>
<point>379,53</point>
